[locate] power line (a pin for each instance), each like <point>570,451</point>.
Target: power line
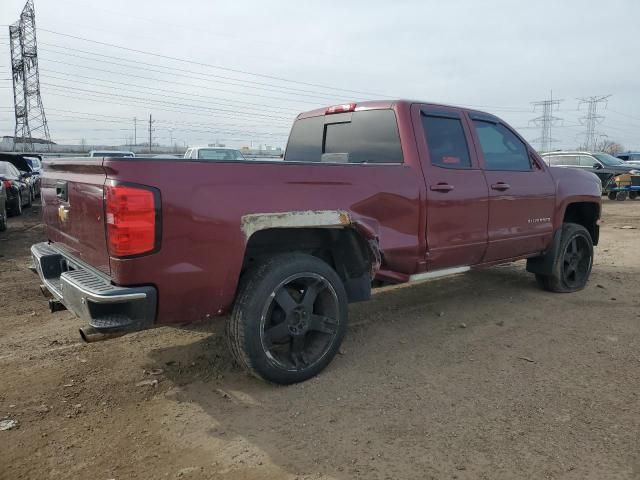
<point>101,100</point>
<point>592,119</point>
<point>210,129</point>
<point>176,83</point>
<point>545,122</point>
<point>162,102</point>
<point>623,114</point>
<point>137,64</point>
<point>127,119</point>
<point>160,90</point>
<point>219,67</point>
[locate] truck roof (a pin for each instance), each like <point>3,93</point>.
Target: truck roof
<point>380,104</point>
<point>202,147</point>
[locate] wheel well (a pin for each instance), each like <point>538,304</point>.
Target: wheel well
<point>343,248</point>
<point>585,214</point>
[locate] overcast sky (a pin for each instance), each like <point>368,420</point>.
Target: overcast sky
<point>496,55</point>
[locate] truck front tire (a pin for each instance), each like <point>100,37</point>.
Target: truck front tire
<point>572,261</point>
<point>289,318</point>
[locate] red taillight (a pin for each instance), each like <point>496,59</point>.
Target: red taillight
<point>345,107</point>
<point>130,215</point>
<point>7,184</point>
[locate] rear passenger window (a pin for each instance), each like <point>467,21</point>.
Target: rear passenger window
<point>569,161</point>
<point>369,136</point>
<point>501,148</point>
<point>446,141</point>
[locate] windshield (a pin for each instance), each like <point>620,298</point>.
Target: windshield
<point>608,160</point>
<point>219,154</point>
<point>34,162</point>
<point>4,168</point>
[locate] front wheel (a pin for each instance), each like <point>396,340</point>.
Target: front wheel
<point>289,318</point>
<point>572,263</point>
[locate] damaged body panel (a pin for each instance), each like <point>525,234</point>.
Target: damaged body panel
<point>295,219</point>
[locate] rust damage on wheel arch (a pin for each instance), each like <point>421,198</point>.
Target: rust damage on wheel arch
<point>255,222</point>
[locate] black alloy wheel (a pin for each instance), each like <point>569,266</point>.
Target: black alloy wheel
<point>289,318</point>
<point>576,262</point>
<point>572,261</point>
<point>299,321</point>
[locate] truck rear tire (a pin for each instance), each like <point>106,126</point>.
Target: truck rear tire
<point>289,318</point>
<point>572,263</point>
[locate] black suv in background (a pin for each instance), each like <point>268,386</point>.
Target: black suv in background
<point>603,165</point>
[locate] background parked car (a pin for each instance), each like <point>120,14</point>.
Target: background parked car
<point>214,153</point>
<point>605,166</point>
<point>35,162</point>
<point>21,162</point>
<point>3,207</point>
<point>17,188</point>
<point>631,158</point>
<point>111,153</point>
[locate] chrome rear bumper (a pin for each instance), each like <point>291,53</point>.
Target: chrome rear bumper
<point>90,294</point>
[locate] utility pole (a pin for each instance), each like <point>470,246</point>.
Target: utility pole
<point>135,131</point>
<point>546,121</point>
<point>150,132</point>
<point>592,119</point>
<point>29,112</point>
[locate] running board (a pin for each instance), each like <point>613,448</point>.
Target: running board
<point>421,277</point>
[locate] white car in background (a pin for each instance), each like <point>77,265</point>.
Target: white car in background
<point>213,153</point>
<point>111,153</point>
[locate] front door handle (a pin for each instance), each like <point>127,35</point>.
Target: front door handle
<point>501,186</point>
<point>442,187</point>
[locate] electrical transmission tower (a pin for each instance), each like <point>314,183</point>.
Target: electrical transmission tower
<point>546,121</point>
<point>592,119</point>
<point>29,112</point>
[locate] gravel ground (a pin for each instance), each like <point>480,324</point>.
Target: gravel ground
<point>478,376</point>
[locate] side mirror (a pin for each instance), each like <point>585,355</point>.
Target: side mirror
<point>597,166</point>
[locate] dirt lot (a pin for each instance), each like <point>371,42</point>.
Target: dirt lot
<point>478,376</point>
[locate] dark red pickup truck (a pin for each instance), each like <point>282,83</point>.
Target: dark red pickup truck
<point>392,191</point>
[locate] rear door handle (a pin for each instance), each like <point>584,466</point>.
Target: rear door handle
<point>61,191</point>
<point>501,186</point>
<point>442,187</point>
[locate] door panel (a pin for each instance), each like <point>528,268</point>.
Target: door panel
<point>521,193</point>
<point>457,198</point>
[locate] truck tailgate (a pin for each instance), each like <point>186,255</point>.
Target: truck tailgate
<point>73,209</point>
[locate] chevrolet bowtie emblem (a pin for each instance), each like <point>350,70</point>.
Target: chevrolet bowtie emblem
<point>63,213</point>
